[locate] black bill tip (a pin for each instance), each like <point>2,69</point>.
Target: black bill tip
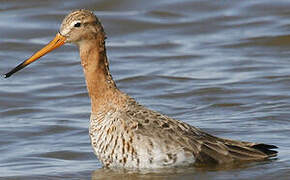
<point>7,75</point>
<point>14,70</point>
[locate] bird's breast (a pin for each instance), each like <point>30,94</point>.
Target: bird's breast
<point>118,143</point>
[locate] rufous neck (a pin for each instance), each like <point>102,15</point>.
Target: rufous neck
<point>101,87</point>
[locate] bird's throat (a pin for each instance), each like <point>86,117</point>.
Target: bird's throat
<point>100,84</point>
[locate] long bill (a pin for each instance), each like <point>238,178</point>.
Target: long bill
<point>58,41</point>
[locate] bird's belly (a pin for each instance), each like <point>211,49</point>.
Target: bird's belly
<point>114,152</point>
<point>115,146</point>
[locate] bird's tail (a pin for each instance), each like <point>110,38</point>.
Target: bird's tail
<point>226,151</point>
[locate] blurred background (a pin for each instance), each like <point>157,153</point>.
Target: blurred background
<point>223,66</point>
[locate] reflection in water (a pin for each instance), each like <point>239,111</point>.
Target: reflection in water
<point>172,173</point>
<point>131,175</point>
<point>122,174</point>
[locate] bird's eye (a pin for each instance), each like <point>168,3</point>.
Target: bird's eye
<point>77,24</point>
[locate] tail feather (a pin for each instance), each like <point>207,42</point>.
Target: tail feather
<point>266,149</point>
<point>260,148</point>
<point>234,151</point>
<point>244,153</point>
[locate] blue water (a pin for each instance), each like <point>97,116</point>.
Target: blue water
<point>222,66</point>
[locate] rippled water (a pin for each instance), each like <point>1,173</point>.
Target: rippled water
<point>223,66</point>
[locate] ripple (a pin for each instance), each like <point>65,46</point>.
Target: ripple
<point>223,67</point>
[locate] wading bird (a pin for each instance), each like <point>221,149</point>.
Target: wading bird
<point>125,134</point>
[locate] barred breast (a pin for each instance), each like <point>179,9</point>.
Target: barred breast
<point>133,139</point>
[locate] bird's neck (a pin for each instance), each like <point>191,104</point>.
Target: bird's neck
<point>100,84</point>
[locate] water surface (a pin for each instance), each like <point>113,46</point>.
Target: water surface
<point>222,66</point>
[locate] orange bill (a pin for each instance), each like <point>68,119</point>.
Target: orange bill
<point>55,43</point>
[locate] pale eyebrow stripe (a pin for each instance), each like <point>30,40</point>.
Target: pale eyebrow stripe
<point>67,30</point>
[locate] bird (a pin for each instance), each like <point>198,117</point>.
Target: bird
<point>126,134</point>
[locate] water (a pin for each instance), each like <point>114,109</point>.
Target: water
<point>222,66</point>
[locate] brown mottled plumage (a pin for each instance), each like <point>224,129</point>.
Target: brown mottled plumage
<point>126,134</point>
